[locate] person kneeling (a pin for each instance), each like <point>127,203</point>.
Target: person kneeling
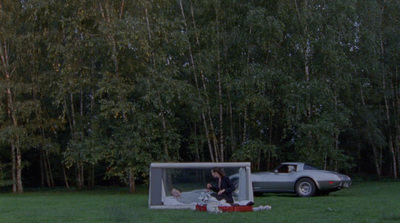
<point>223,187</point>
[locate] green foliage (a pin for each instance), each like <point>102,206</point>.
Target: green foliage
<point>121,84</point>
<point>252,150</point>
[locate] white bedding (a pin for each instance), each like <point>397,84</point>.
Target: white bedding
<point>172,201</point>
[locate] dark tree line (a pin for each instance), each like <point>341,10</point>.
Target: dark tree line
<point>93,91</point>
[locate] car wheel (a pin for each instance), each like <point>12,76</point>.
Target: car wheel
<point>305,187</point>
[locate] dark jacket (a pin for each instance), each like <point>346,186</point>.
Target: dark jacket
<point>226,184</point>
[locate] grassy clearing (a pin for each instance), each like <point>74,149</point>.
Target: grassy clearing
<point>363,202</point>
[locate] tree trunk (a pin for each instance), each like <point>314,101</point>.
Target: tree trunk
<point>389,125</point>
<point>80,176</point>
<point>65,177</point>
<point>374,150</point>
<point>220,102</point>
<point>377,161</point>
<point>203,116</point>
<point>270,140</point>
<point>14,166</point>
<point>41,169</point>
<point>15,147</point>
<point>20,188</point>
<point>164,126</point>
<point>79,165</point>
<point>50,170</point>
<point>132,186</point>
<point>90,180</point>
<point>335,135</point>
<point>245,126</point>
<point>196,143</point>
<point>232,126</point>
<point>45,166</point>
<point>397,119</point>
<point>212,134</point>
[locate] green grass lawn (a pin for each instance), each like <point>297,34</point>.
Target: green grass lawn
<point>363,202</point>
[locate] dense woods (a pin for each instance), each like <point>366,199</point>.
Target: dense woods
<point>93,91</point>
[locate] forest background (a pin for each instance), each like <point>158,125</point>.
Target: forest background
<point>92,92</point>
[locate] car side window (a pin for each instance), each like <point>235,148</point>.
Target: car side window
<point>286,168</point>
<point>282,169</point>
<point>291,168</point>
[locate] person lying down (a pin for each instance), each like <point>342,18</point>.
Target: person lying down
<point>190,197</point>
<point>202,196</point>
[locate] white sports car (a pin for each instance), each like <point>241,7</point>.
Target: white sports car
<point>300,178</point>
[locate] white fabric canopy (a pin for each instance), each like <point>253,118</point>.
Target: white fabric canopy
<point>166,176</point>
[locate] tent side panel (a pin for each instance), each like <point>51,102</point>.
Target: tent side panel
<point>155,193</point>
<point>249,182</point>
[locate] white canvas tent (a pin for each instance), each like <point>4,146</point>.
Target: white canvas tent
<point>187,176</point>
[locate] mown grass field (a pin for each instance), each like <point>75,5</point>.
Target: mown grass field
<point>363,202</point>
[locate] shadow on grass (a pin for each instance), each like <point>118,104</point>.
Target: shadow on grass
<point>391,217</point>
<point>269,195</point>
<point>116,214</point>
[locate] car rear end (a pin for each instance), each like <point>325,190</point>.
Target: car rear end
<point>336,182</point>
